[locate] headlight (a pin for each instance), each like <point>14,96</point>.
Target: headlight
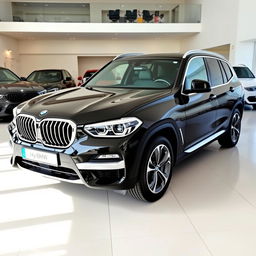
<point>250,89</point>
<point>116,128</point>
<point>53,89</point>
<point>1,96</point>
<point>17,110</point>
<point>42,92</point>
<point>14,112</point>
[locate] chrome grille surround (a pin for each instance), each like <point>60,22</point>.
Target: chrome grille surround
<point>58,133</point>
<point>26,127</point>
<point>51,132</point>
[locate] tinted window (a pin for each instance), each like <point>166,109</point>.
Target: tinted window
<point>225,79</point>
<point>227,70</point>
<point>196,70</point>
<point>138,73</point>
<point>243,72</point>
<point>6,76</point>
<point>67,74</point>
<point>46,76</point>
<point>215,72</point>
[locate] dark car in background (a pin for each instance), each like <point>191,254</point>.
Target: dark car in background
<point>52,79</point>
<point>88,73</point>
<point>14,91</point>
<point>131,122</point>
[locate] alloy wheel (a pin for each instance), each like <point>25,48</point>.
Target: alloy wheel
<point>158,168</point>
<point>235,127</point>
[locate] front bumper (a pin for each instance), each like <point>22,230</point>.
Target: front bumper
<point>78,163</point>
<point>250,97</point>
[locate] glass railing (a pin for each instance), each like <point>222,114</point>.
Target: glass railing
<point>103,12</point>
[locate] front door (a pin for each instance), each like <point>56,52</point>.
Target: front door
<point>201,108</point>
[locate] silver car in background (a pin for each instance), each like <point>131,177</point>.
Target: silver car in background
<point>248,80</point>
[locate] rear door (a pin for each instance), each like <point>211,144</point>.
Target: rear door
<point>201,108</point>
<point>225,86</point>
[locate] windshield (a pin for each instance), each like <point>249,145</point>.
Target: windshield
<point>243,72</point>
<point>45,76</point>
<point>6,76</point>
<point>138,74</point>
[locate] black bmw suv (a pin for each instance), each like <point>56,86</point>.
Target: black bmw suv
<point>131,122</point>
<point>13,91</point>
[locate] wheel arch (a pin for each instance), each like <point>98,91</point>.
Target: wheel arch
<point>167,129</point>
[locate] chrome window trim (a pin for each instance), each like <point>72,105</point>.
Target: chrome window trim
<point>38,123</point>
<point>202,52</point>
<point>205,56</point>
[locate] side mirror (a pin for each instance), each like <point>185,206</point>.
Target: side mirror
<point>23,78</point>
<point>68,79</point>
<point>199,86</point>
<point>80,78</point>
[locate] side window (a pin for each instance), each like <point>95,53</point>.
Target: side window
<point>66,74</point>
<point>227,70</point>
<point>196,70</point>
<point>225,79</point>
<point>215,71</point>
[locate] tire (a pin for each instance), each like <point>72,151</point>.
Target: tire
<point>230,138</point>
<point>254,106</point>
<point>155,171</point>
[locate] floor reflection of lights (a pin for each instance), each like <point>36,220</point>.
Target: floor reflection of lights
<point>209,209</point>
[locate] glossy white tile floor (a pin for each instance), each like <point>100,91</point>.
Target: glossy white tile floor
<point>209,210</point>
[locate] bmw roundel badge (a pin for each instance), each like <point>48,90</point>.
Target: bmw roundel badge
<point>43,112</point>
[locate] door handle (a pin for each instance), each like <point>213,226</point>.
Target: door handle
<point>231,89</point>
<point>213,97</point>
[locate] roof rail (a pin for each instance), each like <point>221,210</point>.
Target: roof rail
<point>203,52</point>
<point>127,55</point>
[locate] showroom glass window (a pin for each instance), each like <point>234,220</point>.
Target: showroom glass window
<point>215,71</point>
<point>196,70</point>
<point>138,73</point>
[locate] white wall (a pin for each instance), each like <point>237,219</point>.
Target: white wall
<point>244,53</point>
<point>37,54</point>
<point>219,24</point>
<point>89,62</point>
<point>247,20</point>
<point>9,55</point>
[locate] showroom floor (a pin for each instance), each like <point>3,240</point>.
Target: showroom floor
<point>209,209</point>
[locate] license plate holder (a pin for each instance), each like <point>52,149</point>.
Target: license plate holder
<point>39,156</point>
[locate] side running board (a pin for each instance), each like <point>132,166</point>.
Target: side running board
<point>204,142</point>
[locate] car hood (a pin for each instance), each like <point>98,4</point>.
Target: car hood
<point>18,86</point>
<point>248,82</point>
<point>89,106</point>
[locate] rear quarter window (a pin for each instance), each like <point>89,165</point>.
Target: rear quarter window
<point>227,70</point>
<point>215,71</point>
